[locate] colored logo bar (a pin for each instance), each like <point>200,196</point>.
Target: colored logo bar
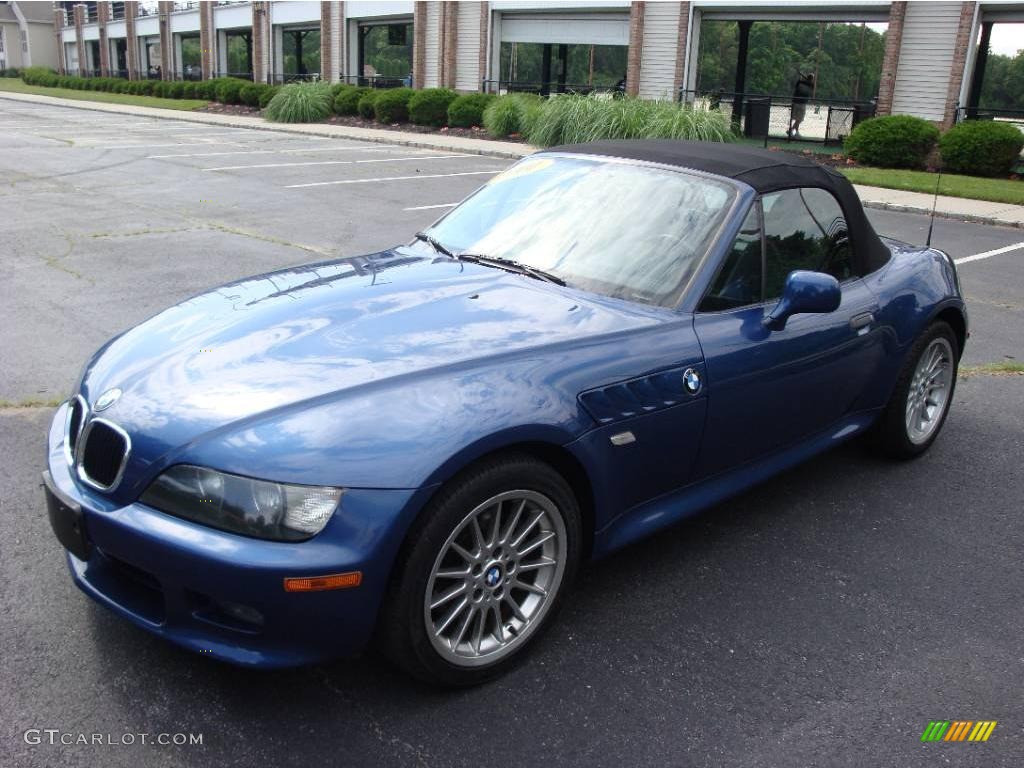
<point>958,730</point>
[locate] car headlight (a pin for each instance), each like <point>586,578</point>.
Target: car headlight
<point>241,504</point>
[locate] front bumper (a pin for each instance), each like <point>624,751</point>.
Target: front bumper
<point>221,594</point>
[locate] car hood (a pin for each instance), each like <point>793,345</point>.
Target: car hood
<point>276,341</point>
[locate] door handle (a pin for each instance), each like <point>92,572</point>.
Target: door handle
<point>863,320</point>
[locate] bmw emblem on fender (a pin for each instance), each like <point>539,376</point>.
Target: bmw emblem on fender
<point>691,379</point>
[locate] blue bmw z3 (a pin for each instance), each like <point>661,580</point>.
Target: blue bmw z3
<point>414,450</point>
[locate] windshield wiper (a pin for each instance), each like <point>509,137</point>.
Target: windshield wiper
<point>511,265</point>
<point>435,244</point>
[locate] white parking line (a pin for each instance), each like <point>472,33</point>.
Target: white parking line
<point>429,207</point>
<point>347,147</point>
<point>987,254</point>
<point>392,178</point>
<point>333,162</point>
<point>176,144</point>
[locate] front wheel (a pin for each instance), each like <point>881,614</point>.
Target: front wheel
<point>921,398</point>
<point>483,572</point>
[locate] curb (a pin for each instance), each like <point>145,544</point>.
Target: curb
<point>969,218</point>
<point>331,132</point>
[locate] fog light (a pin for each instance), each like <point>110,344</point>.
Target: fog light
<point>243,614</point>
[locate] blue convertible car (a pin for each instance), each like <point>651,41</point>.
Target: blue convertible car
<point>417,448</point>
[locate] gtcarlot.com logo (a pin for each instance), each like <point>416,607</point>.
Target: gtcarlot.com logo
<point>37,736</point>
<point>958,730</point>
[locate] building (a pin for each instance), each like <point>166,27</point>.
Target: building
<point>930,65</point>
<point>26,36</point>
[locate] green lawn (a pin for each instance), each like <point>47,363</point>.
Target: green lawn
<point>16,85</point>
<point>972,187</point>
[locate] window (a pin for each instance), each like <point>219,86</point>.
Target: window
<point>739,281</point>
<point>804,229</point>
<point>620,229</point>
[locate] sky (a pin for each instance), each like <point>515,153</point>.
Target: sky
<point>1007,39</point>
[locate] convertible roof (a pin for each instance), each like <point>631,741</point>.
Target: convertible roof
<point>763,170</point>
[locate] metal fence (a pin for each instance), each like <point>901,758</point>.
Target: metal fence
<point>762,116</point>
<point>547,88</point>
<point>377,81</point>
<point>1014,116</point>
<point>283,79</point>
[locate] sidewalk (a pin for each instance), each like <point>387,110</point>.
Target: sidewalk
<point>961,209</point>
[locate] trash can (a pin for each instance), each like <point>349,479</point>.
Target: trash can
<point>757,116</point>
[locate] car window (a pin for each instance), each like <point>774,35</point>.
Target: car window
<point>804,229</point>
<point>619,229</point>
<point>739,281</point>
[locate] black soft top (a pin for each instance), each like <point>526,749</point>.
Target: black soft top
<point>763,170</point>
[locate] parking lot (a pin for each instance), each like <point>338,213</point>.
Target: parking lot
<point>822,619</point>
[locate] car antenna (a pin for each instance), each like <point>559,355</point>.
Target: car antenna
<point>935,202</point>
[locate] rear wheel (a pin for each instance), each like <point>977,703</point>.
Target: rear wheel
<point>920,401</point>
<point>483,573</point>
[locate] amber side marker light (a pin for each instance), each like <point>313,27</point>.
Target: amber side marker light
<point>321,583</point>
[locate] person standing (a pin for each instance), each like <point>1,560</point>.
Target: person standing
<point>801,93</point>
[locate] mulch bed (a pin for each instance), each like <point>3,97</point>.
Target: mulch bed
<point>468,133</point>
<point>230,109</point>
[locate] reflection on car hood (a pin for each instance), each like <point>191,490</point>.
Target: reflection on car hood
<point>279,339</point>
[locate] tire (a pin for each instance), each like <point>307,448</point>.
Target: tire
<point>896,433</point>
<point>491,566</point>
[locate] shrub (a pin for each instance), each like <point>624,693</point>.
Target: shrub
<point>35,75</point>
<point>122,87</point>
<point>249,94</point>
<point>430,106</point>
<point>346,102</point>
<point>337,88</point>
<point>896,141</point>
<point>468,110</point>
<point>366,103</point>
<point>512,113</point>
<point>174,90</point>
<point>392,105</point>
<point>300,103</point>
<point>147,87</point>
<point>227,89</point>
<point>981,148</point>
<point>267,95</point>
<point>576,119</point>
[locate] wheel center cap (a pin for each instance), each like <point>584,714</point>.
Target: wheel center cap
<point>493,576</point>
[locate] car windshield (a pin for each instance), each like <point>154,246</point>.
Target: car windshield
<point>620,229</point>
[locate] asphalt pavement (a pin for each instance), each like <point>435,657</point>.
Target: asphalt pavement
<point>822,619</point>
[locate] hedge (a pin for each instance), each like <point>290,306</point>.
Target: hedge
<point>346,101</point>
<point>512,113</point>
<point>392,105</point>
<point>366,103</point>
<point>981,148</point>
<point>894,141</point>
<point>468,110</point>
<point>430,106</point>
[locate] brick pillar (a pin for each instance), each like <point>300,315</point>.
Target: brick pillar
<point>419,43</point>
<point>891,58</point>
<point>131,39</point>
<point>166,8</point>
<point>682,49</point>
<point>260,41</point>
<point>956,72</point>
<point>102,14</point>
<point>327,67</point>
<point>79,40</point>
<point>485,28</point>
<point>636,40</point>
<point>59,22</point>
<point>207,38</point>
<point>449,42</point>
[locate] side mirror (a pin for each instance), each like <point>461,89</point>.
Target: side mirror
<point>804,292</point>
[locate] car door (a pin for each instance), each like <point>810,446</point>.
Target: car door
<point>768,389</point>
